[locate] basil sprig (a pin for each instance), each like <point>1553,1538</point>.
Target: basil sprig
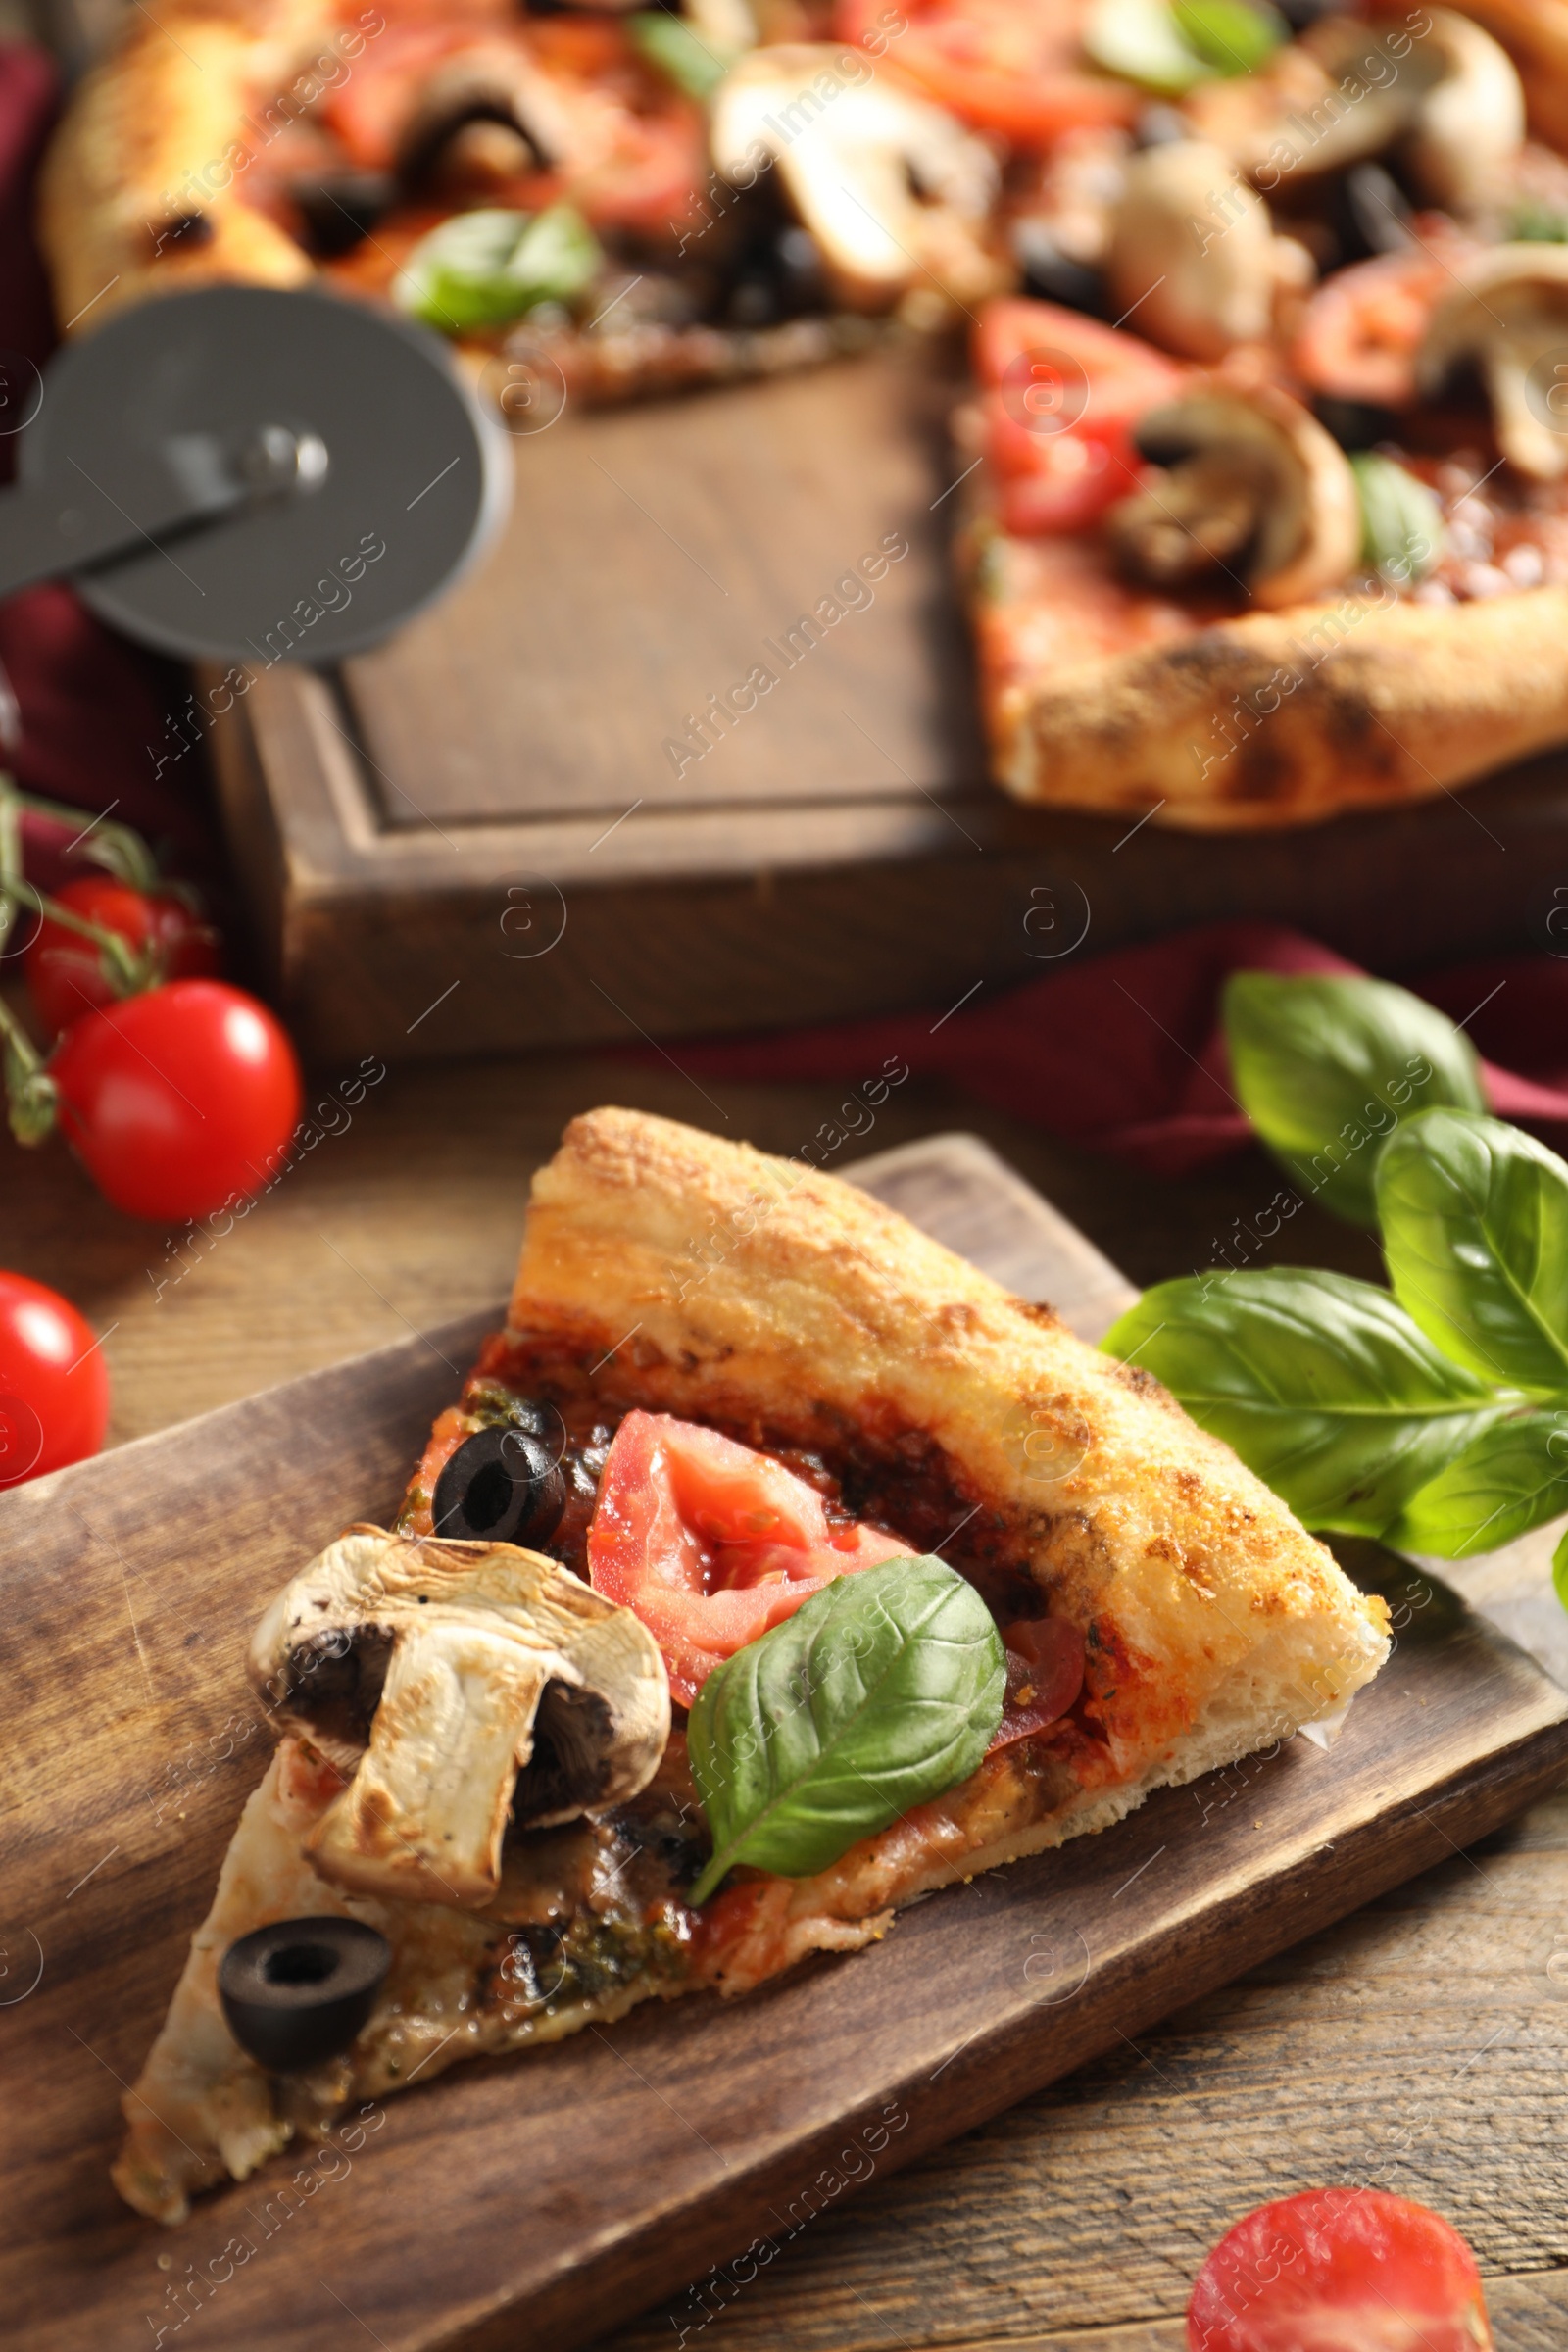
<point>1171,45</point>
<point>1434,1415</point>
<point>1326,1067</point>
<point>1510,1479</point>
<point>1403,530</point>
<point>684,56</point>
<point>1231,36</point>
<point>1323,1386</point>
<point>1475,1231</point>
<point>880,1691</point>
<point>484,268</point>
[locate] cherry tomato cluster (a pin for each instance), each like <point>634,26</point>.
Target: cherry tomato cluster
<point>177,1092</point>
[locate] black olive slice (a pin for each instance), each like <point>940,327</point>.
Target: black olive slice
<point>502,1486</point>
<point>340,209</point>
<point>1049,274</point>
<point>1356,423</point>
<point>1370,214</point>
<point>297,1993</point>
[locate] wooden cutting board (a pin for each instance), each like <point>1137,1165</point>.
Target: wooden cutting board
<point>475,838</point>
<point>544,2198</point>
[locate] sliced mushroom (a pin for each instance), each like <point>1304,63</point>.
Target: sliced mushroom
<point>1509,316</point>
<point>728,26</point>
<point>1253,488</point>
<point>463,1685</point>
<point>1193,252</point>
<point>890,187</point>
<point>488,110</point>
<point>1448,97</point>
<point>1331,99</point>
<point>1470,123</point>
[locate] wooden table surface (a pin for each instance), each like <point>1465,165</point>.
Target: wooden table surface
<point>1421,2046</point>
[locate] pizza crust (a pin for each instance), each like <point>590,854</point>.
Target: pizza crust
<point>705,1279</point>
<point>168,102</point>
<point>1286,718</point>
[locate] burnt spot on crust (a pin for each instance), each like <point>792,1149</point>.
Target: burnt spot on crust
<point>1212,662</point>
<point>1141,1381</point>
<point>1264,769</point>
<point>181,233</point>
<point>1355,731</point>
<point>956,1320</point>
<point>1040,1310</point>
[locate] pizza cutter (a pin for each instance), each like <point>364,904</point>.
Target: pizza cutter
<point>243,473</point>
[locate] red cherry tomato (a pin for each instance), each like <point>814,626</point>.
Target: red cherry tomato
<point>1008,66</point>
<point>65,977</point>
<point>710,1544</point>
<point>179,1100</point>
<point>1062,395</point>
<point>54,1383</point>
<point>1045,1675</point>
<point>1339,2270</point>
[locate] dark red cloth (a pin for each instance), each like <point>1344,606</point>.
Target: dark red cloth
<point>1125,1052</point>
<point>94,709</point>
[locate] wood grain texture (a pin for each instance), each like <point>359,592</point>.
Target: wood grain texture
<point>757,2118</point>
<point>836,848</point>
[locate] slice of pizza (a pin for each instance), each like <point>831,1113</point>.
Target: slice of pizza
<point>593,204</point>
<point>739,1410</point>
<point>1189,599</point>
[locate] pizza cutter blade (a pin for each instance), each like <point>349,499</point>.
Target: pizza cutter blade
<point>242,472</point>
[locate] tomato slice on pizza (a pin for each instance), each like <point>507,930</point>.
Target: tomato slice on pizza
<point>713,1543</point>
<point>1008,67</point>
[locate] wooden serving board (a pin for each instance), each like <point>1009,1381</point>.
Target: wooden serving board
<point>475,837</point>
<point>541,2198</point>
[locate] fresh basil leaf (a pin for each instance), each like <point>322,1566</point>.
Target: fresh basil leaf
<point>1475,1231</point>
<point>1559,1571</point>
<point>1232,36</point>
<point>879,1692</point>
<point>1510,1477</point>
<point>687,57</point>
<point>483,268</point>
<point>1536,220</point>
<point>1403,530</point>
<point>1142,42</point>
<point>1325,1066</point>
<point>1322,1385</point>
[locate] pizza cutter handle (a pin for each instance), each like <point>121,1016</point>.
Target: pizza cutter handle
<point>75,524</point>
